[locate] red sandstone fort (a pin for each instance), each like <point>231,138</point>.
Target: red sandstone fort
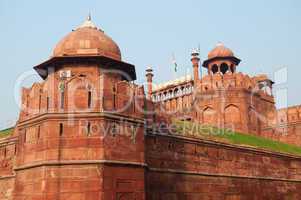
<point>86,131</point>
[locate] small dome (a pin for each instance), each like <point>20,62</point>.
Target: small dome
<point>220,51</point>
<point>87,40</point>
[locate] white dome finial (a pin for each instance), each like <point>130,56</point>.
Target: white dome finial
<point>88,23</point>
<point>89,17</point>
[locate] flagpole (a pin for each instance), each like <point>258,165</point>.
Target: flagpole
<point>174,62</point>
<point>199,50</point>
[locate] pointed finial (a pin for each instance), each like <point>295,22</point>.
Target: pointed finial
<point>195,53</point>
<point>89,18</point>
<point>88,23</point>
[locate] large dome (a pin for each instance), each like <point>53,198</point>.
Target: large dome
<point>87,40</point>
<point>220,51</point>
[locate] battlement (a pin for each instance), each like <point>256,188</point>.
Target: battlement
<point>79,95</point>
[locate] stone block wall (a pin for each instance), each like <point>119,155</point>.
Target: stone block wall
<point>7,185</point>
<point>8,151</point>
<point>182,168</point>
<point>284,126</point>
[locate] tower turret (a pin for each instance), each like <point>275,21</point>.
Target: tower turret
<point>221,60</point>
<point>149,77</point>
<point>195,64</point>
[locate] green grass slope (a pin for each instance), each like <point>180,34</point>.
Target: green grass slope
<point>6,132</point>
<point>231,137</point>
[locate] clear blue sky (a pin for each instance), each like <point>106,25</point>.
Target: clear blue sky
<point>264,34</point>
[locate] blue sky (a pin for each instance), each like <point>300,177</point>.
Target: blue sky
<point>264,34</point>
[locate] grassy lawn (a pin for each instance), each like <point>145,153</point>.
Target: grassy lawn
<point>6,132</point>
<point>212,133</point>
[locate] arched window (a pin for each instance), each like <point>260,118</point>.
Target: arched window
<point>88,129</point>
<point>40,101</point>
<point>39,132</point>
<point>176,92</point>
<point>209,116</point>
<point>171,94</point>
<point>180,92</point>
<point>224,68</point>
<point>214,68</point>
<point>47,103</point>
<point>24,136</point>
<point>89,99</point>
<point>186,90</point>
<point>232,115</point>
<point>61,129</point>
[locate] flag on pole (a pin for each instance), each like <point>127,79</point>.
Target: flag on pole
<point>199,51</point>
<point>174,62</point>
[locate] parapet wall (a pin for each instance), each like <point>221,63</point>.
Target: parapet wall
<point>285,126</point>
<point>8,152</point>
<point>183,168</point>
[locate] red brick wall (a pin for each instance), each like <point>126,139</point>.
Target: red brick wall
<point>177,186</point>
<point>66,182</point>
<point>6,188</point>
<point>192,169</point>
<point>124,183</point>
<point>8,153</point>
<point>284,126</point>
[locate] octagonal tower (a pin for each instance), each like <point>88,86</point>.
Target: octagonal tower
<point>231,99</point>
<point>71,123</point>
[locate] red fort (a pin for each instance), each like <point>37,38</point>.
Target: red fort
<point>86,132</point>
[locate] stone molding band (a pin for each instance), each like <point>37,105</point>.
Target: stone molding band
<point>143,165</point>
<point>193,173</point>
<point>79,162</point>
<point>79,115</point>
<point>7,177</point>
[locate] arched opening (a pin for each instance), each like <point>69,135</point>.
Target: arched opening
<point>208,116</point>
<point>165,96</point>
<point>170,94</point>
<point>176,92</point>
<point>180,92</point>
<point>61,129</point>
<point>88,129</point>
<point>214,68</point>
<point>232,116</point>
<point>89,99</point>
<point>187,90</point>
<point>224,68</point>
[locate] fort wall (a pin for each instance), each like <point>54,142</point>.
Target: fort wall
<point>285,126</point>
<point>182,168</point>
<point>8,152</point>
